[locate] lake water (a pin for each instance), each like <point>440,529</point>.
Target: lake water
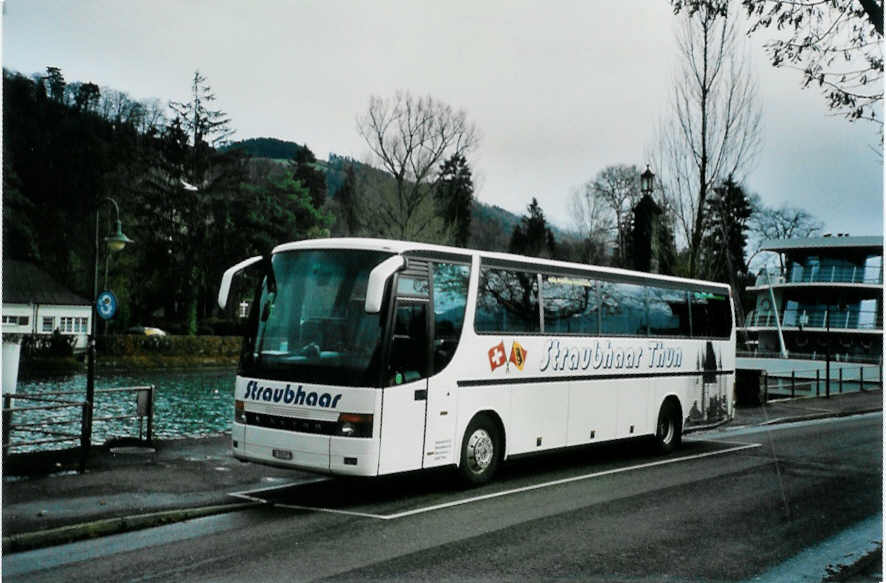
<point>186,404</point>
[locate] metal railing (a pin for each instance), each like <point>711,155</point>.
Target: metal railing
<point>823,274</point>
<point>814,382</point>
<point>44,428</point>
<point>51,403</point>
<point>836,357</point>
<point>839,319</point>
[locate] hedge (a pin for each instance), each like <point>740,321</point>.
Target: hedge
<point>187,346</point>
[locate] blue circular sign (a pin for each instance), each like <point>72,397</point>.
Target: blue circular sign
<point>106,305</point>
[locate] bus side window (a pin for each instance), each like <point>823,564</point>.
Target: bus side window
<point>711,315</point>
<point>450,300</point>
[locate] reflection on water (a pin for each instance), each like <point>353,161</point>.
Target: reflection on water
<point>186,404</point>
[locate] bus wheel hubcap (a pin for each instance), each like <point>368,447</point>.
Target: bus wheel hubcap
<point>480,451</point>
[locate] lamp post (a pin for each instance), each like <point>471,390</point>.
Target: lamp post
<point>115,242</point>
<point>646,181</point>
<point>646,253</point>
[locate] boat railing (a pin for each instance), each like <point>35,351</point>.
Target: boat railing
<point>826,274</point>
<point>802,318</point>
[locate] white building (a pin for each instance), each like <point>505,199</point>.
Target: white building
<point>35,303</point>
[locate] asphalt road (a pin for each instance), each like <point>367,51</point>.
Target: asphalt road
<point>727,506</point>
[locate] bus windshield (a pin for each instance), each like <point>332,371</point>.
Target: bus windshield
<point>309,325</point>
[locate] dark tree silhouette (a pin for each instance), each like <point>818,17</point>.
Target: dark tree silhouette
<point>454,191</point>
<point>532,236</point>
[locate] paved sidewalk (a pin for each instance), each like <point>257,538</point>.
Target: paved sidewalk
<point>46,502</point>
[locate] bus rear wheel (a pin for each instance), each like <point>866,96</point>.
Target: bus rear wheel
<point>480,451</point>
<point>668,430</point>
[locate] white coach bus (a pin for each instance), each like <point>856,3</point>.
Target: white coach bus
<point>368,357</point>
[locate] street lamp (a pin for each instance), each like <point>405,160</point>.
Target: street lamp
<point>115,242</point>
<point>646,181</point>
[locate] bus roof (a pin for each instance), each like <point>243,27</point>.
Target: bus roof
<point>403,247</point>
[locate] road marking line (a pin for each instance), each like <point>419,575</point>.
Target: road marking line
<point>245,494</point>
<point>721,441</point>
<point>568,480</point>
<point>334,511</point>
<point>524,488</point>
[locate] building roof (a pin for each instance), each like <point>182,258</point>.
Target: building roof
<point>833,242</point>
<point>25,283</point>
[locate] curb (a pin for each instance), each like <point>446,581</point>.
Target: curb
<point>813,416</point>
<point>75,532</point>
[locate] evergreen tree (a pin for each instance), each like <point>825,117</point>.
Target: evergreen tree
<point>55,84</point>
<point>346,203</point>
<point>304,164</point>
<point>725,233</point>
<point>725,238</point>
<point>454,192</point>
<point>203,185</point>
<point>532,236</point>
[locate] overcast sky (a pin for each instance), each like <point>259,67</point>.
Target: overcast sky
<point>559,90</point>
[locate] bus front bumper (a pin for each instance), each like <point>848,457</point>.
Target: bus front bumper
<point>352,456</point>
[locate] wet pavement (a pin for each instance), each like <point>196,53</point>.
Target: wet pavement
<point>46,501</point>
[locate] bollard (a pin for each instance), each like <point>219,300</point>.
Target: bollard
<point>861,378</point>
<point>793,384</point>
<point>150,413</point>
<point>84,438</point>
<point>7,419</point>
<point>817,380</point>
<point>765,387</point>
<point>841,379</point>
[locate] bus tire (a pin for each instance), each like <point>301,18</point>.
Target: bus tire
<point>480,451</point>
<point>668,430</point>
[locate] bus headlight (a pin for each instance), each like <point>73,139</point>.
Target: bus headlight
<point>239,411</point>
<point>355,425</point>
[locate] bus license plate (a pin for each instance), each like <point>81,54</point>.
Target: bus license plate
<point>283,454</point>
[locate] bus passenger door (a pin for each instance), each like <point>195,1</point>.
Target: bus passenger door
<point>404,397</point>
<point>449,299</point>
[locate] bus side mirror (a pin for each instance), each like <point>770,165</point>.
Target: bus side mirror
<point>225,287</point>
<point>375,287</point>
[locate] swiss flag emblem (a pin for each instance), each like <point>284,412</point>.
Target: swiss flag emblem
<point>497,355</point>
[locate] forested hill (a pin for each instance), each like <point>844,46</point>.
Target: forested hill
<point>335,167</point>
<point>266,148</point>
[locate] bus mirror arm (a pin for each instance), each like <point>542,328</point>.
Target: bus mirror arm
<point>375,287</point>
<point>225,287</point>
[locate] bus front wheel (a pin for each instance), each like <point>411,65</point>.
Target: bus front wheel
<point>668,429</point>
<point>480,451</point>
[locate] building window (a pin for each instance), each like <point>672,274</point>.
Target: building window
<point>48,324</point>
<point>16,320</point>
<point>70,325</point>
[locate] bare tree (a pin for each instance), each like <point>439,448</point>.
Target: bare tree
<point>786,222</point>
<point>409,137</point>
<point>593,220</point>
<point>714,128</point>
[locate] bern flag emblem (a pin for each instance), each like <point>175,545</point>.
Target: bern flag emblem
<point>497,355</point>
<point>518,355</point>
